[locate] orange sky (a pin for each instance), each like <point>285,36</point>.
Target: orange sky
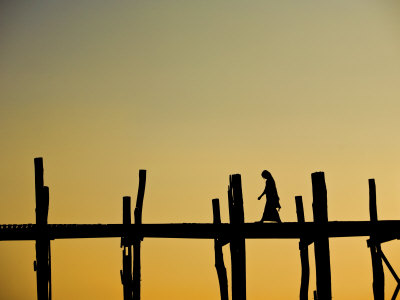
<point>194,91</point>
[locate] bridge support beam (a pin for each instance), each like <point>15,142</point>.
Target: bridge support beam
<point>219,256</point>
<point>237,243</point>
<point>378,283</point>
<point>131,275</point>
<point>126,244</point>
<point>321,243</point>
<point>137,240</point>
<point>303,246</point>
<point>42,265</point>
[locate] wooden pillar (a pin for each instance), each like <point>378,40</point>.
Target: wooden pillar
<point>303,246</point>
<point>378,284</point>
<point>237,244</point>
<point>321,243</point>
<point>42,264</point>
<point>126,273</point>
<point>137,240</point>
<point>219,256</point>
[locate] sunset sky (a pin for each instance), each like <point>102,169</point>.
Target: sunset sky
<point>193,91</point>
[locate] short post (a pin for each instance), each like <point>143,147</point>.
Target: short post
<point>303,246</point>
<point>126,243</point>
<point>321,243</point>
<point>378,283</point>
<point>219,256</point>
<point>137,240</point>
<point>237,244</point>
<point>42,264</point>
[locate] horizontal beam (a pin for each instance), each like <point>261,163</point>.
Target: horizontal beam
<point>386,230</point>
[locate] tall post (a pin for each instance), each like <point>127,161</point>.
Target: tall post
<point>137,240</point>
<point>378,284</point>
<point>126,273</point>
<point>42,264</point>
<point>219,256</point>
<point>237,244</point>
<point>321,243</point>
<point>303,246</point>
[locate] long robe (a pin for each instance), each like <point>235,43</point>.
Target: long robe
<point>272,203</point>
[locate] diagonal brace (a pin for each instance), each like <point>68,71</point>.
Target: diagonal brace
<point>392,271</point>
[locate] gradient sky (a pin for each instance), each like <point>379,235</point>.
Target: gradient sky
<point>194,91</point>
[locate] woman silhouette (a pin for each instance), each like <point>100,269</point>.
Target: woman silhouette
<point>272,204</point>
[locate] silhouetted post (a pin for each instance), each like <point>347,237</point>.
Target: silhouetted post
<point>315,295</point>
<point>321,243</point>
<point>378,284</point>
<point>237,245</point>
<point>42,264</point>
<point>303,246</point>
<point>219,256</point>
<point>126,273</point>
<point>137,240</point>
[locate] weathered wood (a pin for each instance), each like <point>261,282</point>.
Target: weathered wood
<point>126,211</point>
<point>392,271</point>
<point>373,211</point>
<point>46,241</point>
<point>286,230</point>
<point>389,266</point>
<point>219,256</point>
<point>303,246</point>
<point>137,241</point>
<point>140,197</point>
<point>126,273</point>
<point>236,232</point>
<point>49,269</point>
<point>396,292</point>
<point>237,244</point>
<point>378,284</point>
<point>42,263</point>
<point>41,205</point>
<point>321,244</point>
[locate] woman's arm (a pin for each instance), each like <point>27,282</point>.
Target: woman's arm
<point>263,193</point>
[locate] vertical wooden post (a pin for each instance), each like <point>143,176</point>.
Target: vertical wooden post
<point>237,245</point>
<point>137,240</point>
<point>42,264</point>
<point>303,246</point>
<point>219,256</point>
<point>126,273</point>
<point>378,284</point>
<point>321,243</point>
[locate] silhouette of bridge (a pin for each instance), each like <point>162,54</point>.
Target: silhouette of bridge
<point>388,229</point>
<point>234,233</point>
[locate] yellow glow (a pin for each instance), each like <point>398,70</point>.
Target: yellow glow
<point>194,91</point>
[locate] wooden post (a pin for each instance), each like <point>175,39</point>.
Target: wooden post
<point>42,264</point>
<point>303,246</point>
<point>378,284</point>
<point>237,245</point>
<point>126,273</point>
<point>321,243</point>
<point>137,240</point>
<point>219,256</point>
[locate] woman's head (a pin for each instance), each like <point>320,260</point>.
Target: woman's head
<point>266,175</point>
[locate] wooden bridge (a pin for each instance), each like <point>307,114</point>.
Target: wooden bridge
<point>288,230</point>
<point>234,233</point>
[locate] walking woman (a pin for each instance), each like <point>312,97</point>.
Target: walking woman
<point>272,205</point>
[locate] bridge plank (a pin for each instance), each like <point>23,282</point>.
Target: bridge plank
<point>287,230</point>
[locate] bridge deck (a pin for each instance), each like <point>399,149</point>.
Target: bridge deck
<point>291,230</point>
